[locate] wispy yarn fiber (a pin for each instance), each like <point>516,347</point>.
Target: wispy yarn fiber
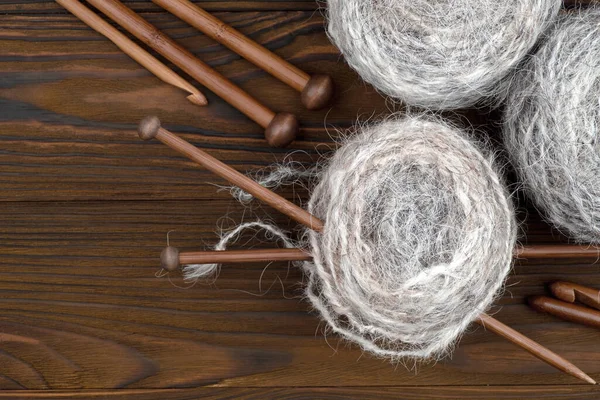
<point>418,239</point>
<point>551,127</point>
<point>441,54</point>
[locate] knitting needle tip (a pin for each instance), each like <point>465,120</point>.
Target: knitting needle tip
<point>583,376</point>
<point>589,380</point>
<point>539,303</point>
<point>534,348</point>
<point>197,99</point>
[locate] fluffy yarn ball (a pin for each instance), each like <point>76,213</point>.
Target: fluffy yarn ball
<point>437,54</point>
<point>552,126</point>
<point>418,238</point>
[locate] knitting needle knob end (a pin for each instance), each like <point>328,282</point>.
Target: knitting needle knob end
<point>148,127</point>
<point>282,130</point>
<point>318,92</point>
<point>169,258</point>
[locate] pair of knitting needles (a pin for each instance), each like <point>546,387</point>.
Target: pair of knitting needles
<point>134,51</point>
<point>567,303</point>
<point>280,129</point>
<point>171,258</point>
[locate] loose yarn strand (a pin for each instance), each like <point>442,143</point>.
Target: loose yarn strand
<point>284,174</point>
<point>194,272</point>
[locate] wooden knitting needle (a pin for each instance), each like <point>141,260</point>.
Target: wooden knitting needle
<point>557,251</point>
<point>567,311</point>
<point>316,91</point>
<point>585,295</point>
<point>572,292</point>
<point>133,50</point>
<point>533,347</point>
<point>280,129</point>
<point>171,258</point>
<point>150,128</point>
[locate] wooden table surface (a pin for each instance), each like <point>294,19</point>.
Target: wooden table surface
<point>86,207</point>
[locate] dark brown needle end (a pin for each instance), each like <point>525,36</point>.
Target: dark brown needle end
<point>169,258</point>
<point>318,92</point>
<point>282,130</point>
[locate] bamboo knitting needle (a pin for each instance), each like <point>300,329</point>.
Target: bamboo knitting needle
<point>171,258</point>
<point>280,129</point>
<point>558,251</point>
<point>533,347</point>
<point>133,50</point>
<point>578,292</point>
<point>150,128</point>
<point>567,311</point>
<point>316,91</point>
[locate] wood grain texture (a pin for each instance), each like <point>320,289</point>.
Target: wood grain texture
<point>80,307</point>
<point>85,207</point>
<point>75,100</point>
<point>383,393</point>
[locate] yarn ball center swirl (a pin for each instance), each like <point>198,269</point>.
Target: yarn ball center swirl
<point>418,238</point>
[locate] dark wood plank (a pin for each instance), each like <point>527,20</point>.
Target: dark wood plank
<point>85,207</point>
<point>80,307</point>
<point>70,102</point>
<point>403,393</point>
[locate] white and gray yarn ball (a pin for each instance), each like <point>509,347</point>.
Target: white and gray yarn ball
<point>440,54</point>
<point>418,239</point>
<point>552,126</point>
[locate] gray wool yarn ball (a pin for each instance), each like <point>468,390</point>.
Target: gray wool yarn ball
<point>437,54</point>
<point>552,122</point>
<point>418,238</point>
